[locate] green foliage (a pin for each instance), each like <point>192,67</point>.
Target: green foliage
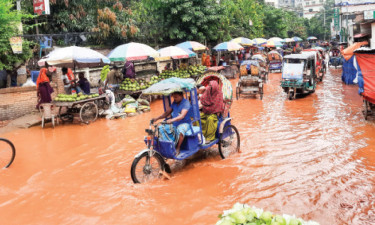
<point>315,26</point>
<point>282,23</point>
<point>180,19</point>
<point>236,19</point>
<point>9,18</point>
<point>112,21</point>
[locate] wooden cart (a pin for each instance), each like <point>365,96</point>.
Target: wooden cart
<point>87,110</point>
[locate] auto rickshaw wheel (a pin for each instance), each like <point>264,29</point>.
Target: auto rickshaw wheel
<point>145,168</point>
<point>229,141</point>
<point>290,95</point>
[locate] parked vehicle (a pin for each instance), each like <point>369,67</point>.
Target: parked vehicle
<point>299,74</point>
<point>251,79</point>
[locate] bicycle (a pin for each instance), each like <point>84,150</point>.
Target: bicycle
<point>7,153</point>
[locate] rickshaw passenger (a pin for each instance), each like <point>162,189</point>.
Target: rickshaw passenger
<point>181,112</point>
<point>212,105</point>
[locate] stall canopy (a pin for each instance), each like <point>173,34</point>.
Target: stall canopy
<point>132,51</point>
<point>228,46</point>
<point>259,41</point>
<point>74,57</point>
<point>272,44</point>
<point>173,52</point>
<point>243,41</point>
<point>288,40</point>
<point>366,73</point>
<point>297,39</point>
<point>311,38</point>
<point>192,45</point>
<point>277,39</point>
<point>349,68</point>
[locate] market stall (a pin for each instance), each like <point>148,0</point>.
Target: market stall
<point>142,56</point>
<point>231,70</point>
<point>85,107</point>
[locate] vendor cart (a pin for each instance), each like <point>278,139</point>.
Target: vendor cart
<point>87,110</point>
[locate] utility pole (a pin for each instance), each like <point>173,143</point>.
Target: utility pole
<point>324,16</point>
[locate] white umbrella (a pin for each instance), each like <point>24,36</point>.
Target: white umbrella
<point>132,51</point>
<point>74,57</point>
<point>173,52</point>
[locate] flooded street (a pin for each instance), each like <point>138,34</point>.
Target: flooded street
<point>313,157</point>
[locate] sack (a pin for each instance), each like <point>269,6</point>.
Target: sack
<point>167,133</point>
<point>143,102</point>
<point>254,70</point>
<point>127,100</point>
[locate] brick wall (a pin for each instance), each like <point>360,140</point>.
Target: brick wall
<point>19,101</point>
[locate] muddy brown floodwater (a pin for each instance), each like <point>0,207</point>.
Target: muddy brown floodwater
<point>313,157</point>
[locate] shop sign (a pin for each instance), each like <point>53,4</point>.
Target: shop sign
<point>369,15</point>
<point>16,44</point>
<point>41,7</point>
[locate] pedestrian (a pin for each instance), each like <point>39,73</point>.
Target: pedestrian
<point>207,61</point>
<point>128,70</point>
<point>43,87</point>
<point>214,60</point>
<point>83,83</point>
<point>3,78</point>
<point>69,80</point>
<point>114,78</point>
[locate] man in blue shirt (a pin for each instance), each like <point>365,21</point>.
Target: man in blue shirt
<point>181,112</point>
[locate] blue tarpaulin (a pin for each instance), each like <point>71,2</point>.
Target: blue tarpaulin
<point>349,71</point>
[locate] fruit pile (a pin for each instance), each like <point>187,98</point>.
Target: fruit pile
<point>244,214</point>
<point>183,73</point>
<point>196,70</point>
<point>136,85</point>
<point>73,97</point>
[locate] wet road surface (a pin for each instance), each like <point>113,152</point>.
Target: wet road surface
<point>313,157</point>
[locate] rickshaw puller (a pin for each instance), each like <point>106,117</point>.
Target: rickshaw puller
<point>181,112</point>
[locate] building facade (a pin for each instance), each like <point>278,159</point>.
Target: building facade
<point>304,8</point>
<point>354,21</point>
<point>274,3</point>
<point>312,7</point>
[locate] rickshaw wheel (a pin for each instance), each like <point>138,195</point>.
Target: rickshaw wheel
<point>88,112</point>
<point>229,141</point>
<point>145,168</point>
<point>237,93</point>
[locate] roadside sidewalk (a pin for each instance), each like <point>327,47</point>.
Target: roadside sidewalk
<point>24,122</point>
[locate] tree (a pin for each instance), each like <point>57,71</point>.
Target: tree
<point>316,26</point>
<point>9,18</point>
<point>180,20</point>
<point>111,19</point>
<point>236,19</point>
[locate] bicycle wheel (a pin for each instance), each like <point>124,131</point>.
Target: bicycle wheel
<point>145,168</point>
<point>7,153</point>
<point>229,141</point>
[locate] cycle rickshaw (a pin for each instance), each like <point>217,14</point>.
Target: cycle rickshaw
<point>251,79</point>
<point>150,163</point>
